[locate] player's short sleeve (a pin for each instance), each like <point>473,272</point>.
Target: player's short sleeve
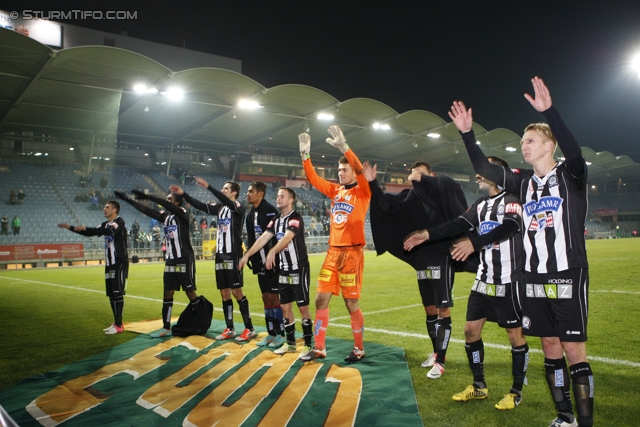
<point>295,224</point>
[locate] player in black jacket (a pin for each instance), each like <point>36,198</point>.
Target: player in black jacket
<point>116,267</point>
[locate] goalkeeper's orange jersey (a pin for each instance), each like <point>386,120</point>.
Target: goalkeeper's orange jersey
<point>348,205</point>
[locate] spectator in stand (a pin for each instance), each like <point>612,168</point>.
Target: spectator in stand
<point>84,198</point>
<point>135,230</point>
<point>89,180</point>
<point>82,181</point>
<point>13,198</point>
<point>103,182</point>
<point>16,224</point>
<point>94,202</point>
<point>4,229</point>
<point>21,197</point>
<point>77,198</point>
<point>156,235</point>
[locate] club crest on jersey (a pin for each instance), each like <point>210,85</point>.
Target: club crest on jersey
<point>553,181</point>
<point>341,211</point>
<point>500,210</point>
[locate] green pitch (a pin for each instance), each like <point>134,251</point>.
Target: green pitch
<point>52,317</point>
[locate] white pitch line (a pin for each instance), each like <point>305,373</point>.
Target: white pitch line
<point>614,291</point>
<point>607,360</point>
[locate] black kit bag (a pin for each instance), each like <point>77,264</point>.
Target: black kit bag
<point>195,319</point>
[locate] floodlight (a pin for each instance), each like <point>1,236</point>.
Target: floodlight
<point>433,135</point>
<point>325,116</point>
<point>635,63</point>
<point>381,126</point>
<point>173,94</point>
<point>511,148</point>
<point>247,104</point>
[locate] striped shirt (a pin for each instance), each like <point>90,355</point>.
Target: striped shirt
<point>115,239</point>
<point>295,254</point>
<point>176,235</point>
<point>500,262</point>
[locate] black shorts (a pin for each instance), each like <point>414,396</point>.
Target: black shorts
<point>294,285</point>
<point>180,272</point>
<point>435,281</point>
<point>227,273</point>
<point>496,303</point>
<point>116,278</point>
<point>268,282</point>
<point>556,305</point>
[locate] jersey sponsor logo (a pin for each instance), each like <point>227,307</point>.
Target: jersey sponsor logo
<point>548,203</point>
<point>551,291</point>
<point>279,235</point>
<point>476,356</point>
<point>342,207</point>
<point>223,224</point>
<point>168,229</point>
<point>513,208</point>
<point>568,332</point>
<point>110,275</point>
<point>325,275</point>
<point>257,230</point>
<point>294,223</point>
<point>487,226</point>
<point>180,268</point>
<point>347,280</point>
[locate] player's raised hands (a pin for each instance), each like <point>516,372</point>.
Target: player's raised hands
<point>140,195</point>
<point>64,225</point>
<point>176,189</point>
<point>337,138</point>
<point>542,100</point>
<point>201,182</point>
<point>304,140</point>
<point>370,173</point>
<point>462,118</point>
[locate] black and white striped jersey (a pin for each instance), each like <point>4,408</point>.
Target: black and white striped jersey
<point>115,239</point>
<point>176,234</point>
<point>501,262</point>
<point>295,254</point>
<point>257,220</point>
<point>230,215</point>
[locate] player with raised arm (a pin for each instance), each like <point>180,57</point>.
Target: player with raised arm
<point>430,201</point>
<point>289,256</point>
<point>229,280</point>
<point>344,264</point>
<point>259,216</point>
<point>180,264</point>
<point>556,280</point>
<point>494,295</point>
<point>116,265</point>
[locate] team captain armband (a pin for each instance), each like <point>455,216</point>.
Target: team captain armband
<point>515,170</point>
<point>513,208</point>
<point>294,223</point>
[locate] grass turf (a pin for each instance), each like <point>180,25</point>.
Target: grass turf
<point>52,317</point>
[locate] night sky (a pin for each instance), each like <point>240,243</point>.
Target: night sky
<point>420,54</point>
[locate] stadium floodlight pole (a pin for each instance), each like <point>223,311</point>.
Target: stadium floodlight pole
<point>93,140</point>
<point>170,157</point>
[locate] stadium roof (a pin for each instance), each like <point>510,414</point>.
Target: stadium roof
<point>78,94</point>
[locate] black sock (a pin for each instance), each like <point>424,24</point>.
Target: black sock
<point>432,322</point>
<point>244,310</point>
<point>167,307</point>
<point>559,384</point>
<point>475,355</point>
<point>290,329</point>
<point>307,331</point>
<point>118,309</point>
<point>444,334</point>
<point>227,308</point>
<point>519,364</point>
<point>582,378</point>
